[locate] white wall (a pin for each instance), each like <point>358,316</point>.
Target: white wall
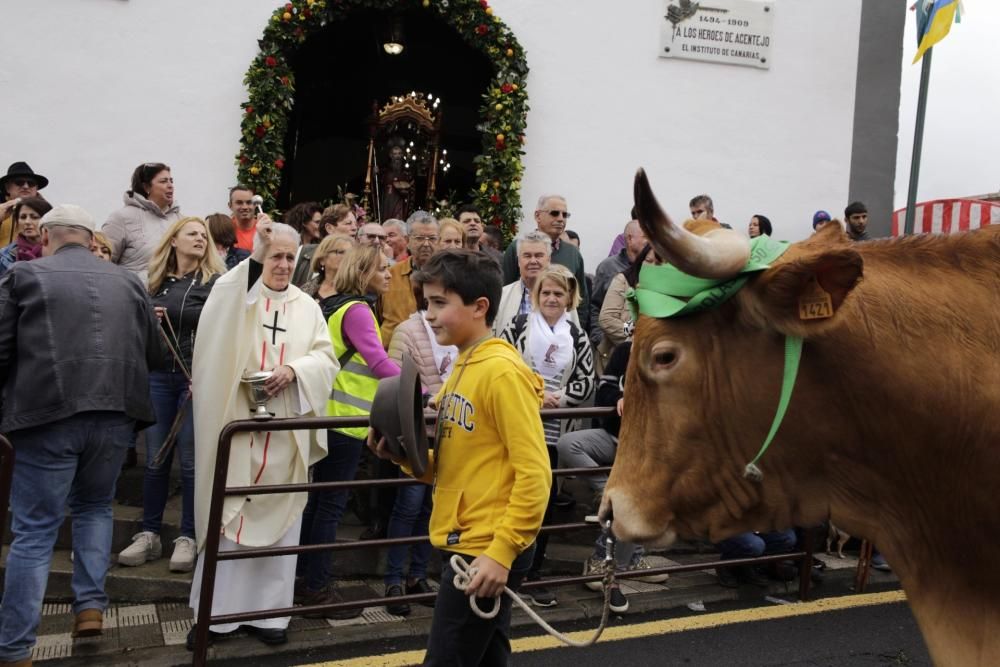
<point>111,83</point>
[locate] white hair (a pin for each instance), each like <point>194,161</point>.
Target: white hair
<point>283,230</point>
<point>545,198</point>
<point>395,222</point>
<point>419,217</point>
<point>535,236</point>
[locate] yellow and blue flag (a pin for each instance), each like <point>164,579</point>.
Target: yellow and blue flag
<point>934,19</point>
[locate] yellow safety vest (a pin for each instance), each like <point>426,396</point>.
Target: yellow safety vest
<point>354,384</point>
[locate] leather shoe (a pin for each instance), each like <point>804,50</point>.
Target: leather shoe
<point>419,587</point>
<point>270,636</point>
<point>326,596</point>
<point>189,642</point>
<point>24,662</point>
<point>88,623</point>
<point>398,608</point>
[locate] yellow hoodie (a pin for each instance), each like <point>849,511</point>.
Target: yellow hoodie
<point>493,472</point>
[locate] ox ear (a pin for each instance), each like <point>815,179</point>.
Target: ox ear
<point>804,296</point>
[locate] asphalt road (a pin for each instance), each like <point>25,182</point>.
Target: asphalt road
<point>867,630</point>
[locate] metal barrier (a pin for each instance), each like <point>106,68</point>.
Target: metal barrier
<point>6,479</point>
<point>212,555</point>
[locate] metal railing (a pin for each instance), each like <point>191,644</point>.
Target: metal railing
<point>212,555</point>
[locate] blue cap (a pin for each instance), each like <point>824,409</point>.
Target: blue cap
<point>819,217</point>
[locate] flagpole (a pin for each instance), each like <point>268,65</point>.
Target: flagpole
<point>918,142</point>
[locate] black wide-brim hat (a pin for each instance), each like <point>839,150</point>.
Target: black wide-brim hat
<point>398,415</point>
<point>22,169</point>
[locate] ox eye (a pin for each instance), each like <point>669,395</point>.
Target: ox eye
<point>665,358</point>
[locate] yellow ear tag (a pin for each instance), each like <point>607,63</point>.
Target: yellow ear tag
<point>815,302</point>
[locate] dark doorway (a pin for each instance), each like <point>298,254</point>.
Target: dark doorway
<point>341,69</point>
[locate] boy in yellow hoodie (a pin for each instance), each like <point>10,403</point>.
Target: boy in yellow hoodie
<point>490,468</point>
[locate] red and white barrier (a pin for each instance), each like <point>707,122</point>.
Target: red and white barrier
<point>943,216</point>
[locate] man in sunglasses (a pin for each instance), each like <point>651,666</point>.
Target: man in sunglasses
<point>551,217</point>
<point>19,183</point>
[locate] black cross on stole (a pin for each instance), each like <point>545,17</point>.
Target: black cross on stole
<point>274,329</point>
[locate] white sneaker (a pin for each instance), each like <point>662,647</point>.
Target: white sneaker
<point>184,554</point>
<point>145,546</point>
<point>595,566</point>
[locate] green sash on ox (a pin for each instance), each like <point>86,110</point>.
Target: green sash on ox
<point>666,291</point>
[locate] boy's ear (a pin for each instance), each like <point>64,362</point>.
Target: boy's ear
<point>805,296</point>
<point>480,307</point>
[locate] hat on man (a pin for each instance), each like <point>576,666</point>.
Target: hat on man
<point>22,169</point>
<point>819,218</point>
<point>69,215</point>
<point>398,415</point>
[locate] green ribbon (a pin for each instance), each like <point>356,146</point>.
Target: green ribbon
<point>666,291</point>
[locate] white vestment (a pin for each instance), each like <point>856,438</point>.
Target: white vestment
<point>244,331</point>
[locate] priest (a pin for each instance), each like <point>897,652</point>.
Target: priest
<point>256,320</point>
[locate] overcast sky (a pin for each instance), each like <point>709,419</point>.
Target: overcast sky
<point>961,154</point>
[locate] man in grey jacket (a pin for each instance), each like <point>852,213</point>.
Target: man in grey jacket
<point>76,338</point>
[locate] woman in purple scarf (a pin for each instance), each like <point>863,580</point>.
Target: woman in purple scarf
<point>28,244</point>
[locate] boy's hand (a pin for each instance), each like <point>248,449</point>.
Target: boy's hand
<point>619,406</point>
<point>381,449</point>
<point>490,579</point>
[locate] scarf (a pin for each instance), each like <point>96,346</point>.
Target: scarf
<point>444,355</point>
<point>26,250</point>
<point>551,348</point>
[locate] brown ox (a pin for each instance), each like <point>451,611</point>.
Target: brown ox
<point>893,430</point>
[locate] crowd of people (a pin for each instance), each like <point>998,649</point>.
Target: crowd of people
<point>153,320</point>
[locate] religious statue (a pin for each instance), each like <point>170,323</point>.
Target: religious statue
<point>396,181</point>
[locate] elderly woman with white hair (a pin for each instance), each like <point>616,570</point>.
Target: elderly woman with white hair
<point>255,320</point>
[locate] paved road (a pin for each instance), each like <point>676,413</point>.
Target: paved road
<point>874,629</point>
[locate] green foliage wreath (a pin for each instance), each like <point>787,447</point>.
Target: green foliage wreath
<point>271,84</point>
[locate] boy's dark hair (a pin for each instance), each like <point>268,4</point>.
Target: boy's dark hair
<point>854,208</point>
<point>573,235</point>
<point>468,273</point>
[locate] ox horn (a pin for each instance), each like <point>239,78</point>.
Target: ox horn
<point>719,254</point>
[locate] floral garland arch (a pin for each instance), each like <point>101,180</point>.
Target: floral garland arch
<point>271,86</point>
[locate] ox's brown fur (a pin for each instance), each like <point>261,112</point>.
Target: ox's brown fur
<point>893,431</point>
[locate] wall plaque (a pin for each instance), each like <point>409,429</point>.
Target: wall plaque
<point>731,32</point>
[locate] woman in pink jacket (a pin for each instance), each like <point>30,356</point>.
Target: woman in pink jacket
<point>412,507</point>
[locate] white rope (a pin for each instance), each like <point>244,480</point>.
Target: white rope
<point>464,574</point>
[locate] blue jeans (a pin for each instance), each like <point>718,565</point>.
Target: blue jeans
<point>410,515</point>
<point>751,545</point>
<point>169,394</point>
<point>75,462</point>
<point>324,508</point>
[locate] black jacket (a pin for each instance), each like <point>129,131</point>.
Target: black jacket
<point>77,334</point>
<point>609,386</point>
<point>184,299</point>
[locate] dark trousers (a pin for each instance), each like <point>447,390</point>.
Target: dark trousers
<point>324,508</point>
<point>458,637</point>
<point>542,542</point>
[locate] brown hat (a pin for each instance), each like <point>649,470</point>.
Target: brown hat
<point>22,169</point>
<point>398,415</point>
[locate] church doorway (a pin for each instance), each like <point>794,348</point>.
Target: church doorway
<point>342,69</point>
